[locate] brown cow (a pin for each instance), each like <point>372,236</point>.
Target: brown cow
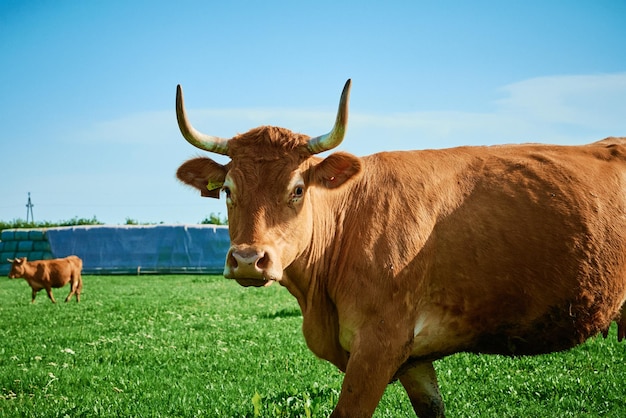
<point>48,274</point>
<point>401,258</point>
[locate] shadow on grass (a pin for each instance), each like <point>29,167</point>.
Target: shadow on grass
<point>283,313</point>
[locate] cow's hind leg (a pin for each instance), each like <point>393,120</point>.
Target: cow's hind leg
<point>420,383</point>
<point>72,291</point>
<point>49,292</point>
<point>621,324</point>
<point>79,287</point>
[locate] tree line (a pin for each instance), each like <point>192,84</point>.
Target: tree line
<point>213,219</point>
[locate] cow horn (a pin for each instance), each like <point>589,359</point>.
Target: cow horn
<point>195,138</point>
<point>334,137</point>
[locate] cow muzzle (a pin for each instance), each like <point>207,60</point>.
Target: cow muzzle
<point>251,266</point>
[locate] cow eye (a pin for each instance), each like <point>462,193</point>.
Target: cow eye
<point>296,194</point>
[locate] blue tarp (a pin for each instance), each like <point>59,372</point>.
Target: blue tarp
<point>143,248</point>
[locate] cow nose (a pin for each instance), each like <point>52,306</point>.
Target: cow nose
<point>247,263</point>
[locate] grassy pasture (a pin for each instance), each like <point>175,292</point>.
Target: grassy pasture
<point>185,346</point>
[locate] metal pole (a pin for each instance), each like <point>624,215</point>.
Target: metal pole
<point>29,210</point>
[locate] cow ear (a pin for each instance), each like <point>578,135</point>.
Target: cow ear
<point>336,169</point>
<point>203,174</point>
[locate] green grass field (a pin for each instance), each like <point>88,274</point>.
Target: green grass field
<point>185,346</point>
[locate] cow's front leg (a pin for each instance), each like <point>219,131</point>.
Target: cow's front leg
<point>371,366</point>
<point>34,295</point>
<point>420,383</point>
<point>49,292</point>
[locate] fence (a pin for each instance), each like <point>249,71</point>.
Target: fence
<point>136,249</point>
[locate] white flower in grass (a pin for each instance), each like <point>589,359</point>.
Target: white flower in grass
<point>68,351</point>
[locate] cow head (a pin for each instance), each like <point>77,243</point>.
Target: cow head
<point>17,267</point>
<point>269,186</point>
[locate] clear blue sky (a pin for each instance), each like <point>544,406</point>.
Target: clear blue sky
<point>87,122</point>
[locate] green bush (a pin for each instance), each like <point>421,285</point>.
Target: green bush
<point>20,223</point>
<point>214,219</point>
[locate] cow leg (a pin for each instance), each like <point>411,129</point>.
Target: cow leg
<point>79,287</point>
<point>370,368</point>
<point>72,291</point>
<point>34,294</point>
<point>49,292</point>
<point>420,383</point>
<point>621,324</point>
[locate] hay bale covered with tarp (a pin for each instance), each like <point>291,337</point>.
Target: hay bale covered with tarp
<point>140,249</point>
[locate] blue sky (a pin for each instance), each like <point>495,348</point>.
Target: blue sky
<point>87,122</point>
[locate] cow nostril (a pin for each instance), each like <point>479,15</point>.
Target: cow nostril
<point>263,261</point>
<point>232,261</point>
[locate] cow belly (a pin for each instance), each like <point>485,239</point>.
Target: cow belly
<point>36,285</point>
<point>559,328</point>
<point>436,336</point>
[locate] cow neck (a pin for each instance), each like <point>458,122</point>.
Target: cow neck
<point>307,277</point>
<point>319,263</point>
<point>310,278</point>
<point>29,269</point>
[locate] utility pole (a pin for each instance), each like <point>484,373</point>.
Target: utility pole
<point>29,210</point>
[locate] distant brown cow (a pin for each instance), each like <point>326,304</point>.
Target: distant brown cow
<point>48,274</point>
<point>401,258</point>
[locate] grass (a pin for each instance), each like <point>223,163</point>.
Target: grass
<point>185,346</point>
